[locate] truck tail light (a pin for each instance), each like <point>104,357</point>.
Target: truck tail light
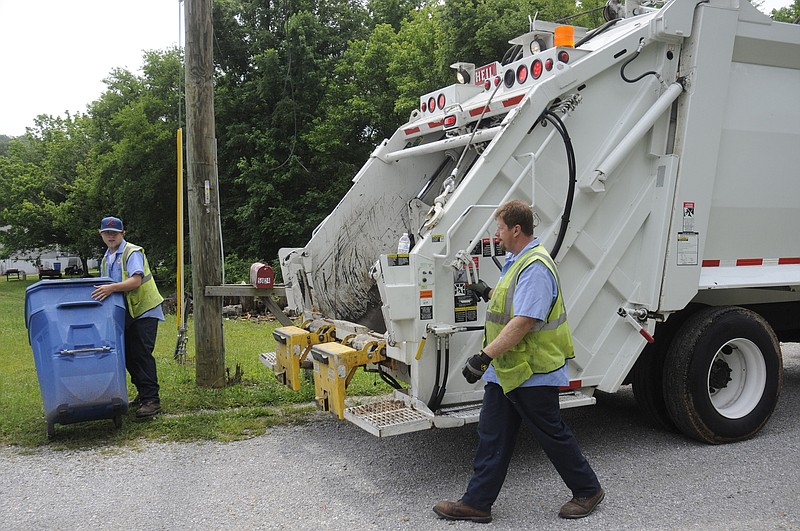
<point>450,120</point>
<point>487,85</point>
<point>423,106</point>
<point>563,56</point>
<point>441,101</point>
<point>548,64</point>
<point>431,104</point>
<point>522,74</point>
<point>496,80</point>
<point>536,68</point>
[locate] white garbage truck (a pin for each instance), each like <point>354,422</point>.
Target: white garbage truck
<point>659,152</point>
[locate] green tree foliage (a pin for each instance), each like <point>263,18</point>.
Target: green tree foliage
<point>790,13</point>
<point>37,176</point>
<point>134,162</point>
<point>268,96</point>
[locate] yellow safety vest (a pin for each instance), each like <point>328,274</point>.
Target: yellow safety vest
<point>547,346</point>
<point>146,296</point>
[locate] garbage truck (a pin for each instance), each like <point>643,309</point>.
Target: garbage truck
<point>659,152</point>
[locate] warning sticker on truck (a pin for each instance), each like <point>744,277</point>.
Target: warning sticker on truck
<point>687,248</point>
<point>688,216</point>
<point>426,305</point>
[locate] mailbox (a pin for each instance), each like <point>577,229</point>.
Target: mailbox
<point>262,276</point>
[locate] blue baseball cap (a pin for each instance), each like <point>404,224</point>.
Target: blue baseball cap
<point>112,224</point>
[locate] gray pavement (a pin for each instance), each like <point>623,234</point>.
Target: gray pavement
<point>332,475</point>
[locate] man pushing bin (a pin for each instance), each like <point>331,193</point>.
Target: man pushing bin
<point>126,264</point>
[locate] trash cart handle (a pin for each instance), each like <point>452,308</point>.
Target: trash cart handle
<point>84,350</point>
<point>78,304</point>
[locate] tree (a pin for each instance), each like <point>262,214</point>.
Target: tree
<point>790,13</point>
<point>37,175</point>
<point>133,165</point>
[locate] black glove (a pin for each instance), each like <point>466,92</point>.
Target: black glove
<point>481,288</point>
<point>476,366</point>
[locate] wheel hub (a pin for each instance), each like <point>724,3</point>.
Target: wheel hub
<point>736,378</point>
<point>720,375</point>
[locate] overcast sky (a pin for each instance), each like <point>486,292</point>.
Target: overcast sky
<point>56,53</point>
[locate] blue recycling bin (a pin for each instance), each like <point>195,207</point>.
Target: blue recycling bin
<point>78,347</point>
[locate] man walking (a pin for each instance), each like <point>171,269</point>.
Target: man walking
<point>524,362</point>
<point>127,266</point>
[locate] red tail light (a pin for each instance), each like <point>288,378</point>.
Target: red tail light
<point>487,85</point>
<point>450,120</point>
<point>536,68</point>
<point>431,104</point>
<point>423,106</point>
<point>522,74</point>
<point>563,56</point>
<point>548,64</point>
<point>441,101</point>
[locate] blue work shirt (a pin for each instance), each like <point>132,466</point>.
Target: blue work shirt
<point>535,293</point>
<point>135,265</point>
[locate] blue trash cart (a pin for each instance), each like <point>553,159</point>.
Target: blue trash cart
<point>78,347</point>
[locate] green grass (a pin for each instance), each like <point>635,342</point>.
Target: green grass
<point>191,413</point>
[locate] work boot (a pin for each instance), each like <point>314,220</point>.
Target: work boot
<point>150,408</point>
<point>580,507</point>
<point>461,511</point>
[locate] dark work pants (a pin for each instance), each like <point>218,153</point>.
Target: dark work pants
<point>498,427</point>
<point>140,340</point>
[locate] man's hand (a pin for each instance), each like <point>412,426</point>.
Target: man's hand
<point>102,292</point>
<point>481,288</point>
<point>476,366</point>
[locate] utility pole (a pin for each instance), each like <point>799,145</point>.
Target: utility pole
<point>203,195</point>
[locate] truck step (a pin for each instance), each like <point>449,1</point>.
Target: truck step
<point>394,417</point>
<point>269,359</point>
<point>388,417</point>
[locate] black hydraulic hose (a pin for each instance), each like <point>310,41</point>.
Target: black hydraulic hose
<point>571,166</point>
<point>511,54</point>
<point>443,387</point>
<point>432,403</point>
<point>629,61</point>
<point>595,32</point>
<point>389,379</point>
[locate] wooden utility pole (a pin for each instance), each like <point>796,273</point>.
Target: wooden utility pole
<point>203,195</point>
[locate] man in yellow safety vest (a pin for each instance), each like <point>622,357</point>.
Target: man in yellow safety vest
<point>126,264</point>
<point>523,364</point>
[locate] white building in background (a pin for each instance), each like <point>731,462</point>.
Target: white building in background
<point>49,259</point>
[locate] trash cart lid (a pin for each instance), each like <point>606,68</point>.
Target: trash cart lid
<point>57,285</point>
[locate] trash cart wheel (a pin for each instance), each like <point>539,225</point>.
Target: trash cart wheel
<point>50,426</point>
<point>117,421</point>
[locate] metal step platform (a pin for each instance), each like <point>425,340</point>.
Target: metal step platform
<point>269,359</point>
<point>394,417</point>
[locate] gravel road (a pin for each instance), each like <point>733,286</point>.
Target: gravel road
<point>332,475</point>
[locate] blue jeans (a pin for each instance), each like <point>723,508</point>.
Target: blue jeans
<point>140,340</point>
<point>498,427</point>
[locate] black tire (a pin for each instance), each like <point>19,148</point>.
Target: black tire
<point>117,421</point>
<point>50,428</point>
<point>723,375</point>
<point>647,379</point>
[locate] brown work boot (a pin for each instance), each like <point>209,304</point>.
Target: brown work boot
<point>150,408</point>
<point>461,511</point>
<point>580,507</point>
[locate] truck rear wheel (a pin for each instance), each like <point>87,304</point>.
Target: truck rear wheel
<point>723,375</point>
